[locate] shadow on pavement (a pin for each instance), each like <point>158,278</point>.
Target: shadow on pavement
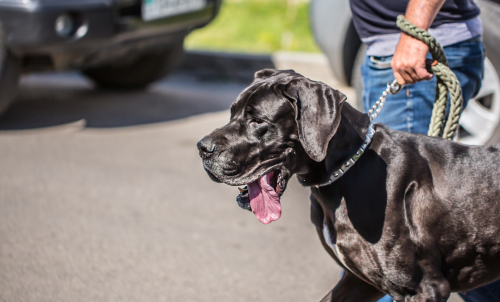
<point>52,99</point>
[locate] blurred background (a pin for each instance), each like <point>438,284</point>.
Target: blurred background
<point>102,193</point>
<point>275,25</point>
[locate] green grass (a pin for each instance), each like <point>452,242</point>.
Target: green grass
<point>257,26</point>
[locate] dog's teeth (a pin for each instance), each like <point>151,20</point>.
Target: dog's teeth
<point>282,183</point>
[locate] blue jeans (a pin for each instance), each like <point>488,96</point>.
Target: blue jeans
<point>410,110</point>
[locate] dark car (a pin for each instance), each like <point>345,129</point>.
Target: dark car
<point>117,43</point>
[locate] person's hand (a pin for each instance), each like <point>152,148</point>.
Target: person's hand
<point>408,62</point>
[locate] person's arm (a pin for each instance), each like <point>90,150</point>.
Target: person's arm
<point>408,63</point>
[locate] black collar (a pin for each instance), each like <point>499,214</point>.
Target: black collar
<point>348,164</point>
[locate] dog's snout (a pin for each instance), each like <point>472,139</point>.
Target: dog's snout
<point>206,147</point>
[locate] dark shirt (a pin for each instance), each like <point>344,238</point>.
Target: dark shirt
<point>378,17</point>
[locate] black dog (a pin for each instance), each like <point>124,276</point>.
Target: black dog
<point>415,217</point>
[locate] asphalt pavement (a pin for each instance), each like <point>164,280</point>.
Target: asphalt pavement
<point>103,198</point>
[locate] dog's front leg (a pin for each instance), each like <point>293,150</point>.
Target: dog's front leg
<point>352,289</point>
<point>432,291</point>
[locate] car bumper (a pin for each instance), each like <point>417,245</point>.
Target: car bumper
<point>106,30</point>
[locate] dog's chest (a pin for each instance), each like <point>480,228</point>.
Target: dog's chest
<point>333,246</point>
<point>342,258</point>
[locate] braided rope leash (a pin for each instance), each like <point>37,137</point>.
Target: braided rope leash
<point>447,82</point>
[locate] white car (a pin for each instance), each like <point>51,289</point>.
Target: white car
<point>334,31</point>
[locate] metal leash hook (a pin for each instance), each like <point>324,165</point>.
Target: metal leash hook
<point>392,88</point>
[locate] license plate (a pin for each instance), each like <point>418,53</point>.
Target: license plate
<point>156,9</point>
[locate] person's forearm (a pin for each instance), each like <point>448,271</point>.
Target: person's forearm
<point>408,62</point>
<point>422,12</point>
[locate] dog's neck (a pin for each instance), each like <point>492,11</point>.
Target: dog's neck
<point>345,143</point>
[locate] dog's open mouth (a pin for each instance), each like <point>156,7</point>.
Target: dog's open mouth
<point>262,197</point>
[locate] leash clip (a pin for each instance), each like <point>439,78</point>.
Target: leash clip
<point>394,87</point>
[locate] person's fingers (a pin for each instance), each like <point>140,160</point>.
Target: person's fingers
<point>401,81</point>
<point>428,77</point>
<point>413,75</point>
<point>404,71</point>
<point>423,74</point>
<point>403,77</point>
<point>406,77</point>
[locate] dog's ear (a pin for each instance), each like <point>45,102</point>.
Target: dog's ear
<point>317,112</point>
<point>264,73</point>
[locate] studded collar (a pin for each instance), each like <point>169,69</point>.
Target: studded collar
<point>348,164</point>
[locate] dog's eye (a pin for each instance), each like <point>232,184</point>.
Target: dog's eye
<point>258,126</point>
<point>256,121</point>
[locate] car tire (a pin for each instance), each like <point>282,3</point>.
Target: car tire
<point>480,121</point>
<point>488,99</point>
<point>139,73</point>
<point>10,71</point>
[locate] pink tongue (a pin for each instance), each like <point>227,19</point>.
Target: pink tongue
<point>264,201</point>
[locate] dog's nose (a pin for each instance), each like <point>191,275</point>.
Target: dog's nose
<point>206,147</point>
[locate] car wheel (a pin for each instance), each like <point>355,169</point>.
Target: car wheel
<point>10,71</point>
<point>140,73</point>
<point>480,121</point>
